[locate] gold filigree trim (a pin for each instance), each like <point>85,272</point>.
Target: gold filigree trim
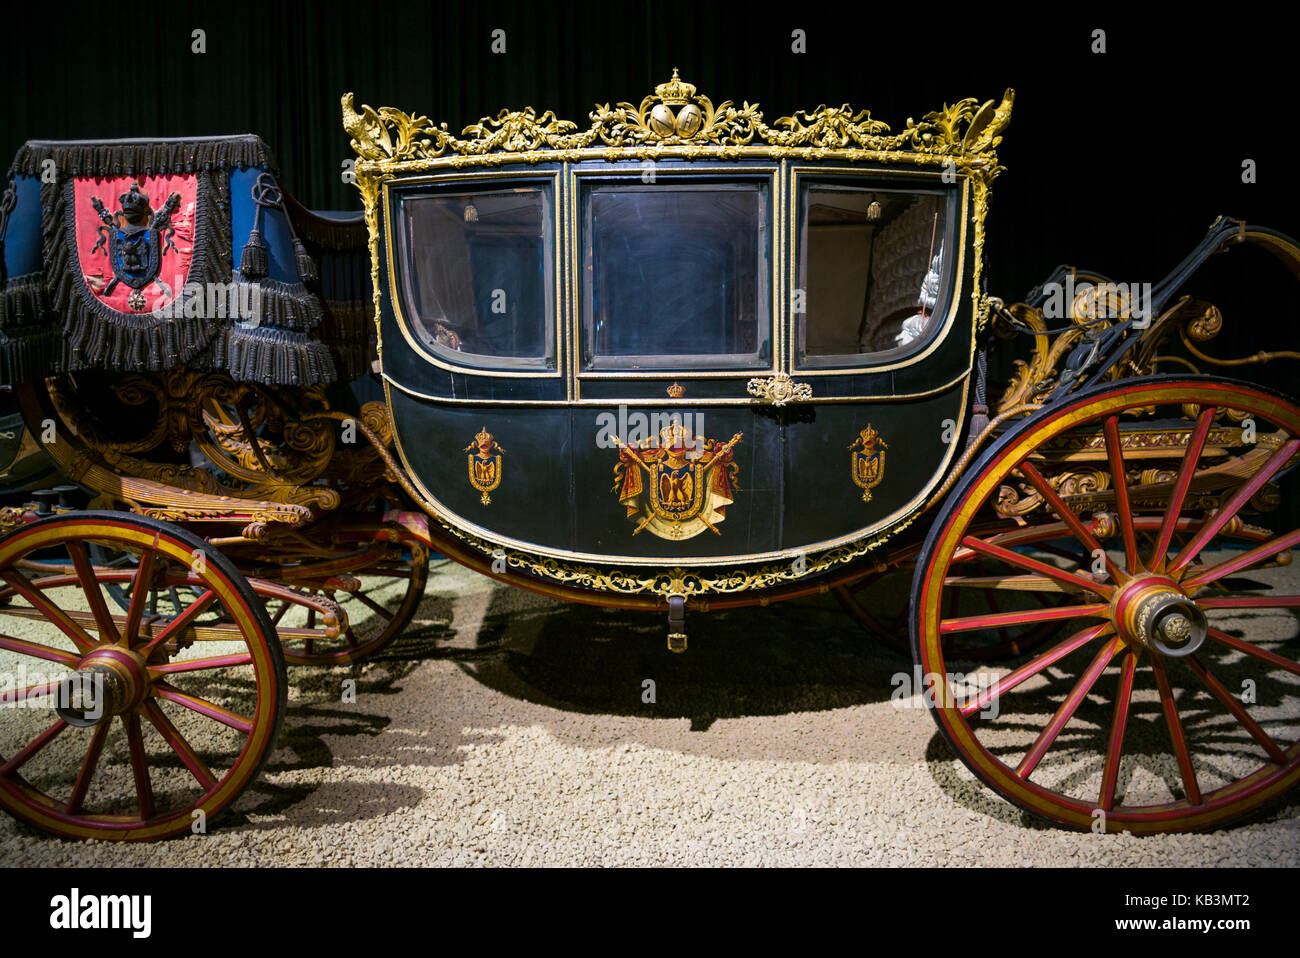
<point>679,581</point>
<point>676,114</point>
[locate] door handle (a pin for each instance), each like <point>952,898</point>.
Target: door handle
<point>779,389</point>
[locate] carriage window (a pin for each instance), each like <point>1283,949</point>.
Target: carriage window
<point>676,276</point>
<point>477,269</point>
<point>872,265</point>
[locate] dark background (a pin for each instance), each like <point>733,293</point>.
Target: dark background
<point>1116,162</point>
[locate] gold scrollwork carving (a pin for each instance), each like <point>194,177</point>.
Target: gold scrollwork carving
<point>676,114</point>
<point>779,390</point>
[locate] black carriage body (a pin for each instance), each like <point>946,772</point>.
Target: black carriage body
<point>795,489</point>
<point>688,369</point>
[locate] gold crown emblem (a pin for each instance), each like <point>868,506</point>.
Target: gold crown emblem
<point>677,390</point>
<point>482,436</point>
<point>676,92</point>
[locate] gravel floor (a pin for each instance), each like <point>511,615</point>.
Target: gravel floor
<point>508,729</point>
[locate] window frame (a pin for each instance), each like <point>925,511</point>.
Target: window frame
<point>956,198</point>
<point>767,176</point>
<point>551,184</point>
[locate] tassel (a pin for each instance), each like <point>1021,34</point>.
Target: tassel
<point>306,265</point>
<point>253,262</point>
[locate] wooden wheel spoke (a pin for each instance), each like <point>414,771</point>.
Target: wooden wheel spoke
<point>139,597</point>
<point>1033,585</point>
<point>1026,617</point>
<point>38,651</point>
<point>1229,701</point>
<point>1067,515</point>
<point>1034,565</point>
<point>1241,645</point>
<point>1191,459</point>
<point>32,747</point>
<point>1176,737</point>
<point>197,665</point>
<point>94,594</point>
<point>1118,725</point>
<point>139,766</point>
<point>1260,553</point>
<point>180,623</point>
<point>1054,549</point>
<point>1068,707</point>
<point>23,586</point>
<point>1250,602</point>
<point>991,600</point>
<point>373,605</point>
<point>1119,479</point>
<point>850,599</point>
<point>275,620</point>
<point>349,638</point>
<point>203,707</point>
<point>198,768</point>
<point>31,691</point>
<point>1032,668</point>
<point>87,772</point>
<point>1239,498</point>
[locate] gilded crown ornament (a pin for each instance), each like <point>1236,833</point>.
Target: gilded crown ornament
<point>676,92</point>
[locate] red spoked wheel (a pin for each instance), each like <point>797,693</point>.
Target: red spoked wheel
<point>377,600</point>
<point>135,724</point>
<point>1169,697</point>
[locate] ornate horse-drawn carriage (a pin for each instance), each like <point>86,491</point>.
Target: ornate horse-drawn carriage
<point>679,360</point>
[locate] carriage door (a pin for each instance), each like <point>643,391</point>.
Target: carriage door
<point>880,346</point>
<point>674,312</point>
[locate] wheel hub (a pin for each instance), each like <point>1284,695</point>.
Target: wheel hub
<point>1151,612</point>
<point>109,681</point>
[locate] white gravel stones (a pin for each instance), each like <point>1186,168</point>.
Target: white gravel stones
<point>517,735</point>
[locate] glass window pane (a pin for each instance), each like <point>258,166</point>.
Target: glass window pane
<point>477,268</point>
<point>676,276</point>
<point>871,264</point>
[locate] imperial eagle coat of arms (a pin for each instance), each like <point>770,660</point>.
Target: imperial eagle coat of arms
<point>675,484</point>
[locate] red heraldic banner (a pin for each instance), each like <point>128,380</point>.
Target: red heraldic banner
<point>135,238</point>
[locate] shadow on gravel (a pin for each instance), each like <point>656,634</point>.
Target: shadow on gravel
<point>798,656</point>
